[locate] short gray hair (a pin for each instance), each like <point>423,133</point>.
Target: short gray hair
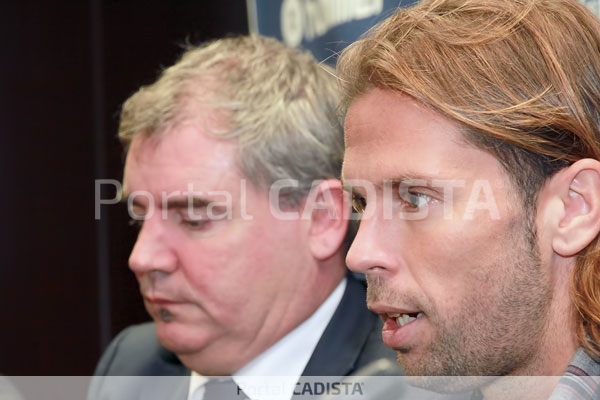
<point>281,104</point>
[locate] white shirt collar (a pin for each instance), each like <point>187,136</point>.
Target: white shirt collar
<point>282,364</point>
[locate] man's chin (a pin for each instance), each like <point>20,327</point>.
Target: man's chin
<point>411,362</point>
<point>203,351</point>
<point>179,339</point>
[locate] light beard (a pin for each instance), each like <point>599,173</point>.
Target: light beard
<point>492,334</point>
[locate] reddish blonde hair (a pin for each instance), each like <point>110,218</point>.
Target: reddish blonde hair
<point>522,77</point>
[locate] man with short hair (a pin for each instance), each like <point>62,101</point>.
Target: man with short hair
<point>477,124</point>
<point>233,156</point>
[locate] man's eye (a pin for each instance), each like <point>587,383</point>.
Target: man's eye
<point>195,224</point>
<point>359,203</point>
<point>417,200</point>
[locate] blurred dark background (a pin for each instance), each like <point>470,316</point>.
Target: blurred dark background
<point>66,67</point>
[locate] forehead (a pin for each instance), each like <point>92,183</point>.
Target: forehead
<point>390,135</point>
<point>187,154</point>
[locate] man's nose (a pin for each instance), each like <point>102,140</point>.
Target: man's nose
<point>152,251</point>
<point>372,248</point>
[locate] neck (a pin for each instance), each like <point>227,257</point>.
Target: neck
<point>537,380</point>
<point>521,387</point>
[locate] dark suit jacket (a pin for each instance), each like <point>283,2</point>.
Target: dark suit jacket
<point>351,341</point>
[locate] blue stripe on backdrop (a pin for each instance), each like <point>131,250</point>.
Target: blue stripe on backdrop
<point>324,27</point>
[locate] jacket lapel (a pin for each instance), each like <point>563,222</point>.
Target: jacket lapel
<point>340,346</point>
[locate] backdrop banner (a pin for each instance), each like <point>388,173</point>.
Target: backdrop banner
<point>324,27</point>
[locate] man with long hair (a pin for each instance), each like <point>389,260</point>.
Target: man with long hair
<point>477,123</point>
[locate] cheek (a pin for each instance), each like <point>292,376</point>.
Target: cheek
<point>459,258</point>
<point>231,261</point>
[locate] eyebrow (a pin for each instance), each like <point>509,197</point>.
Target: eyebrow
<point>395,181</point>
<point>196,202</point>
<point>175,203</point>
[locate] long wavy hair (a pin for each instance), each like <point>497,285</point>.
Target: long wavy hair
<point>521,77</point>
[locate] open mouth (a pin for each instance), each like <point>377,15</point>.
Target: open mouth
<point>403,329</point>
<point>403,319</point>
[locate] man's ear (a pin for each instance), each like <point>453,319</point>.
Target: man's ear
<point>577,220</point>
<point>325,214</point>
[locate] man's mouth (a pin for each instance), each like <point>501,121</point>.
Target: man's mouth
<point>405,318</point>
<point>402,328</point>
<point>164,301</point>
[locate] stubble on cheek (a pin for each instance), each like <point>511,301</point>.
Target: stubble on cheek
<point>488,332</point>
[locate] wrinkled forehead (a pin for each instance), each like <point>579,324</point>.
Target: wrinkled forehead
<point>381,117</point>
<point>183,155</point>
<point>378,106</point>
<point>390,135</point>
